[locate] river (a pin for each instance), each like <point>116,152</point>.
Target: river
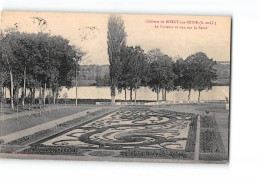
<point>144,93</point>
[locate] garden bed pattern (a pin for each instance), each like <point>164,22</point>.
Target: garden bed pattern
<point>211,144</point>
<point>132,132</point>
<point>12,146</point>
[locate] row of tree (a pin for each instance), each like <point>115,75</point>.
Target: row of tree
<point>46,63</point>
<point>36,62</point>
<point>131,67</point>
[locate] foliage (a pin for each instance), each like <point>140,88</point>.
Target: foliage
<point>185,74</point>
<point>36,61</point>
<point>161,73</point>
<point>116,39</point>
<point>102,81</point>
<point>39,59</point>
<point>196,72</point>
<point>134,65</point>
<point>204,73</point>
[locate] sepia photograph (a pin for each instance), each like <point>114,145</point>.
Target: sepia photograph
<point>115,87</point>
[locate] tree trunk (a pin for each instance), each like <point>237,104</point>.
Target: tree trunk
<point>57,95</point>
<point>5,93</point>
<point>113,94</point>
<point>49,96</point>
<point>162,94</point>
<point>1,93</point>
<point>44,94</point>
<point>76,81</point>
<point>135,95</point>
<point>33,96</point>
<point>113,100</point>
<point>125,94</point>
<point>199,96</point>
<point>40,96</point>
<point>131,94</point>
<point>30,95</point>
<point>24,82</point>
<point>54,96</point>
<point>157,94</point>
<point>12,90</point>
<point>17,95</point>
<point>1,107</point>
<point>76,101</point>
<point>189,96</point>
<point>165,94</point>
<point>10,93</point>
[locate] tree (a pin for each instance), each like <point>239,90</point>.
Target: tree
<point>64,60</point>
<point>124,78</point>
<point>204,72</point>
<point>196,72</point>
<point>116,39</point>
<point>134,67</point>
<point>3,72</point>
<point>25,54</point>
<point>185,73</point>
<point>38,61</point>
<point>160,75</point>
<point>11,63</point>
<point>102,80</point>
<point>138,69</point>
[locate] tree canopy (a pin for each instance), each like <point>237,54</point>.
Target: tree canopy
<point>134,69</point>
<point>36,60</point>
<point>116,39</point>
<point>161,75</point>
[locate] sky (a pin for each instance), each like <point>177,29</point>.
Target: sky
<point>88,31</point>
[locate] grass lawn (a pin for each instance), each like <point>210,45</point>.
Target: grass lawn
<point>14,125</point>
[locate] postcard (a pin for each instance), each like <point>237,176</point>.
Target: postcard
<point>115,87</point>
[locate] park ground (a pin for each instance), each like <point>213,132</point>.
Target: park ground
<point>33,136</point>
